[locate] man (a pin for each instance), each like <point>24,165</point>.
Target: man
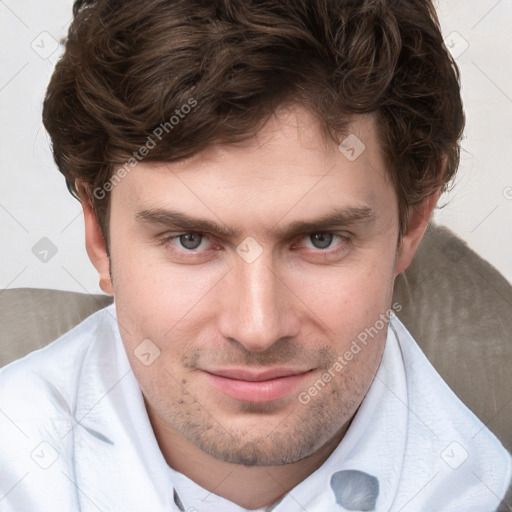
<point>253,176</point>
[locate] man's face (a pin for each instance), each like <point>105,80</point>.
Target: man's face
<point>261,298</point>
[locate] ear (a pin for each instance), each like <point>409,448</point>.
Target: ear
<point>419,216</point>
<point>94,243</point>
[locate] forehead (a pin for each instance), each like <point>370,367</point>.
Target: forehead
<point>289,170</point>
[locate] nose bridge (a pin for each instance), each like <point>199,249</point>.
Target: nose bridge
<point>257,311</point>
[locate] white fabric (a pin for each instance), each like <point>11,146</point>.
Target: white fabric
<point>75,436</point>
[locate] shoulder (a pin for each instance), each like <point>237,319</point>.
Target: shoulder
<point>38,405</point>
<point>31,380</point>
<point>455,447</point>
<point>41,387</point>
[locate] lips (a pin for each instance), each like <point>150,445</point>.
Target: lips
<point>255,375</point>
<point>256,385</point>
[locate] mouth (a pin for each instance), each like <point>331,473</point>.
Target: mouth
<point>256,385</point>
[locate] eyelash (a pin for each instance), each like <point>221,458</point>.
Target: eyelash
<point>190,253</point>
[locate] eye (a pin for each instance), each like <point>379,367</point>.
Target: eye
<point>324,240</point>
<point>187,241</point>
<point>321,240</point>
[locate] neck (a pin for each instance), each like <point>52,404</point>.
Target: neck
<point>249,487</point>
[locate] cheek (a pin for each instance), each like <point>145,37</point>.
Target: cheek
<point>353,313</point>
<point>160,300</point>
<point>352,297</point>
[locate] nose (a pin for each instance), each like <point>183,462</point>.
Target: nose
<point>257,307</point>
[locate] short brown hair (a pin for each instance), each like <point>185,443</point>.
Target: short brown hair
<point>130,65</point>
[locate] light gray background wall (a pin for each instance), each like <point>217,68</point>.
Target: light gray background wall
<point>35,204</point>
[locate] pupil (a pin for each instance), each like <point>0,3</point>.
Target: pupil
<point>321,240</point>
<point>188,241</point>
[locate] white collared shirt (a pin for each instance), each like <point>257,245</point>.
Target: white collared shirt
<point>75,436</point>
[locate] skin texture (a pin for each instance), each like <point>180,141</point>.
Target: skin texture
<point>299,304</point>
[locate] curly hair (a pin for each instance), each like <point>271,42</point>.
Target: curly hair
<point>130,66</point>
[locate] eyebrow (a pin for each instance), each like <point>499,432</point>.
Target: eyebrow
<point>345,216</point>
